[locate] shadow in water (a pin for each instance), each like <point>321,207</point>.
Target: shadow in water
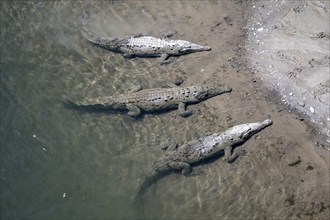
<point>101,109</point>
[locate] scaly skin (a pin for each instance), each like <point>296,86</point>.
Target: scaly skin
<point>146,46</point>
<point>151,100</point>
<point>192,152</point>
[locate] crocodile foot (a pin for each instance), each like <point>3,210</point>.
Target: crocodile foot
<point>186,113</point>
<point>135,88</point>
<point>133,111</point>
<point>196,171</point>
<point>178,81</point>
<point>164,59</point>
<point>236,154</point>
<point>169,34</point>
<point>169,145</point>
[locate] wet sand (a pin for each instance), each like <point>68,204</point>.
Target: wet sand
<point>288,163</point>
<point>288,46</point>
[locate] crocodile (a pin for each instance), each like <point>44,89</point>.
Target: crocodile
<point>141,45</point>
<point>141,100</point>
<point>195,151</point>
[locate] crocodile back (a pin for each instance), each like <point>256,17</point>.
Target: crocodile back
<point>160,98</point>
<point>199,149</point>
<point>147,45</point>
<point>147,40</point>
<point>205,147</point>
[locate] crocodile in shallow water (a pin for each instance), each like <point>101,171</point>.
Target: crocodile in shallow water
<point>156,99</point>
<point>146,46</point>
<point>195,151</point>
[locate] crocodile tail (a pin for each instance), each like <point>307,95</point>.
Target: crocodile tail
<point>89,102</point>
<point>89,35</point>
<point>151,178</point>
<point>109,44</point>
<point>138,197</point>
<point>146,182</point>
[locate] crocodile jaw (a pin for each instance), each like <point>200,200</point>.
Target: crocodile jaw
<point>208,92</point>
<point>245,131</point>
<point>218,90</point>
<point>188,47</point>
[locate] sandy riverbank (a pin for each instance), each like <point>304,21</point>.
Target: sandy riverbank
<point>288,46</point>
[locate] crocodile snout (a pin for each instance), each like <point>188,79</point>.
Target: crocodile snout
<point>207,48</point>
<point>267,122</point>
<point>228,89</point>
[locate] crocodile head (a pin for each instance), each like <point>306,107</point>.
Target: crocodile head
<point>245,131</point>
<point>186,47</point>
<point>205,92</point>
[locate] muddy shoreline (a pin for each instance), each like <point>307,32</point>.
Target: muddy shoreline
<point>294,151</point>
<point>291,54</point>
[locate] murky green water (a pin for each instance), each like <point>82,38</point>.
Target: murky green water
<point>61,163</point>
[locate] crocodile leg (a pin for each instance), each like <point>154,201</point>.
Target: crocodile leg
<point>133,110</point>
<point>231,157</point>
<point>236,154</point>
<point>136,35</point>
<point>170,145</point>
<point>127,53</point>
<point>163,58</point>
<point>186,168</point>
<point>178,81</point>
<point>169,34</point>
<point>135,88</point>
<point>228,154</point>
<point>171,84</point>
<point>183,111</point>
